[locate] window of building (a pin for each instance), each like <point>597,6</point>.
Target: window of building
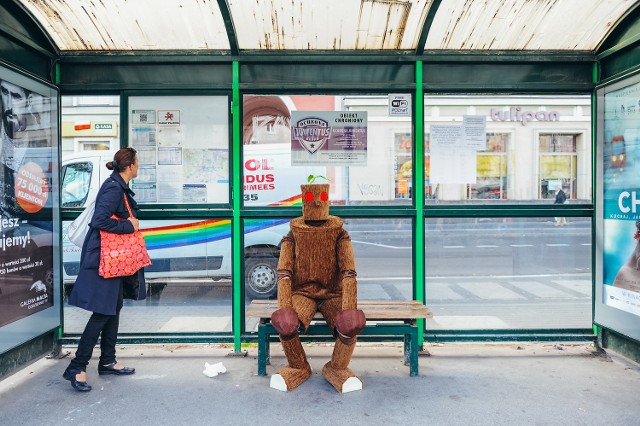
<point>492,170</point>
<point>558,164</point>
<point>96,146</point>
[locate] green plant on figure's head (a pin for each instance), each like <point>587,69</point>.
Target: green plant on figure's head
<point>312,178</point>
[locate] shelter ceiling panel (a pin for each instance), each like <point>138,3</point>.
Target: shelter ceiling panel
<point>524,24</point>
<point>328,24</point>
<point>117,25</point>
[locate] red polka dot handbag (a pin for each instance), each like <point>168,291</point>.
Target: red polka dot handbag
<point>122,255</point>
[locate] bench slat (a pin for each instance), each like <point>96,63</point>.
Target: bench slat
<point>373,309</point>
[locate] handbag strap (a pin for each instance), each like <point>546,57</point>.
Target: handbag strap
<point>127,204</point>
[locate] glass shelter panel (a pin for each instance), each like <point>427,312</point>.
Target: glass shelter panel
<point>188,284</point>
<point>508,273</point>
<point>183,149</point>
<point>354,141</point>
<point>90,123</point>
<point>382,249</point>
<point>507,149</point>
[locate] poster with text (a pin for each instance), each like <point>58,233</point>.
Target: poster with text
<point>26,221</point>
<point>621,199</point>
<point>336,138</point>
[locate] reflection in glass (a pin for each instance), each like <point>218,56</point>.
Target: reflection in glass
<point>508,273</point>
<point>383,254</point>
<point>271,178</point>
<point>533,144</point>
<point>189,282</point>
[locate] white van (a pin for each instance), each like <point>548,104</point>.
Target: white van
<point>198,250</point>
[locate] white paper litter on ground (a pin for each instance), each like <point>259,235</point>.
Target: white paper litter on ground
<point>212,370</point>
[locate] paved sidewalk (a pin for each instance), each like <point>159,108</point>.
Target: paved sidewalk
<point>459,384</point>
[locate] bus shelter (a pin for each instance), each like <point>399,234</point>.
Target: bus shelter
<point>464,121</point>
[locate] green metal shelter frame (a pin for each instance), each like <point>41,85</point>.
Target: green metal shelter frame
<point>24,44</point>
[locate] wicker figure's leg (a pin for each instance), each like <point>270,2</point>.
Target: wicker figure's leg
<point>298,370</point>
<point>337,372</point>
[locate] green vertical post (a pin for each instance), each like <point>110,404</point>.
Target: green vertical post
<point>236,230</point>
<point>418,197</point>
<point>594,178</point>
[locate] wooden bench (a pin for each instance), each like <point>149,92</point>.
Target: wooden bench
<point>384,318</point>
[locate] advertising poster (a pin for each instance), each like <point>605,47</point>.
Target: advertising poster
<point>621,199</point>
<point>335,138</point>
<point>26,221</point>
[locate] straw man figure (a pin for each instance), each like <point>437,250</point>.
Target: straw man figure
<point>317,272</point>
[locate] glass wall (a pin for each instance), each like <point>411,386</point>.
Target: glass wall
<point>507,273</point>
<point>383,253</point>
<point>188,284</point>
<point>183,151</point>
<point>530,146</point>
<point>351,140</point>
<point>485,272</point>
<point>90,123</point>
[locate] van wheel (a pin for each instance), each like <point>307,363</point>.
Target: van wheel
<point>261,277</point>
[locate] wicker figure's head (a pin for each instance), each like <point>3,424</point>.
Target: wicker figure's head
<point>315,201</point>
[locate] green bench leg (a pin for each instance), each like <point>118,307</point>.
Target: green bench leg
<point>267,350</point>
<point>407,349</point>
<point>413,363</point>
<point>263,349</point>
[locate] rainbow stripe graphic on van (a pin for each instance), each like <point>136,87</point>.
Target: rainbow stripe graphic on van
<point>187,234</point>
<point>208,230</point>
<point>296,200</point>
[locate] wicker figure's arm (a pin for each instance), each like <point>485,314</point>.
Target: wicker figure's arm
<point>351,320</point>
<point>285,271</point>
<point>285,319</point>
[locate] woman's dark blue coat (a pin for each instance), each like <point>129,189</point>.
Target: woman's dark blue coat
<point>91,291</point>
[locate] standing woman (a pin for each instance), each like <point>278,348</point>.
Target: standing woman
<point>103,296</point>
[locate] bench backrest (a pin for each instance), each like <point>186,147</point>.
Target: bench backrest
<point>373,309</point>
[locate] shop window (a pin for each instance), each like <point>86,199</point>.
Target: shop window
<point>403,165</point>
<point>491,172</point>
<point>558,165</point>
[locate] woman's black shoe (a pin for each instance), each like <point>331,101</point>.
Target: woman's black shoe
<point>109,369</point>
<point>79,386</point>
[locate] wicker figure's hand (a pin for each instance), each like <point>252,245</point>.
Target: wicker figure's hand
<point>349,324</point>
<point>285,321</point>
